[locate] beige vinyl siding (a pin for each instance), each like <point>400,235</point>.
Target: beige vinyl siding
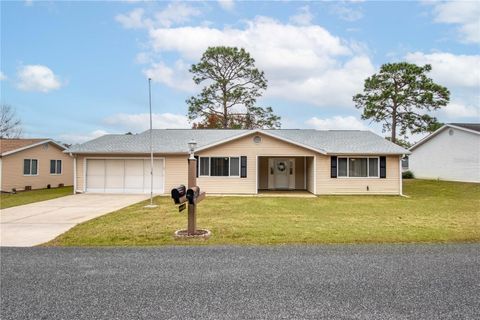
<point>12,168</point>
<point>246,147</point>
<point>175,168</point>
<point>328,185</point>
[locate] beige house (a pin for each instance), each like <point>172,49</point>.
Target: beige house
<point>33,164</point>
<point>241,162</point>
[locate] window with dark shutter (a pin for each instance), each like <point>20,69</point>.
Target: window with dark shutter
<point>196,158</point>
<point>243,167</point>
<point>333,167</point>
<point>383,167</point>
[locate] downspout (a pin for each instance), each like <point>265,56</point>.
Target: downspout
<point>74,173</point>
<point>400,177</point>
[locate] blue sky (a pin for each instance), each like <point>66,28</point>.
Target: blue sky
<point>76,70</point>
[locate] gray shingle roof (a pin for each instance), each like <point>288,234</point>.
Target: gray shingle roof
<point>471,126</point>
<point>176,141</point>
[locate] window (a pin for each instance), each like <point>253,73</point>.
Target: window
<point>30,167</point>
<point>342,167</point>
<point>204,166</point>
<point>235,167</point>
<point>220,166</point>
<point>55,166</point>
<point>358,167</point>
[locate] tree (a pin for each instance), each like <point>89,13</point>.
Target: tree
<point>399,95</point>
<point>233,86</point>
<point>401,142</point>
<point>10,124</point>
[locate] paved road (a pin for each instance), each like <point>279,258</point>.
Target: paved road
<point>286,282</point>
<point>35,223</point>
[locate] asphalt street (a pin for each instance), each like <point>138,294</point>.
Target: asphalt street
<point>280,282</point>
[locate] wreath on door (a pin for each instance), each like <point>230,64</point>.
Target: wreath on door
<point>281,167</point>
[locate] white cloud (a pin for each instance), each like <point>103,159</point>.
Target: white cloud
<point>461,75</point>
<point>134,19</point>
<point>336,123</point>
<point>80,138</point>
<point>346,12</point>
<point>174,13</point>
<point>141,121</point>
<point>466,14</point>
<point>2,76</point>
<point>457,109</point>
<point>450,69</point>
<point>37,78</point>
<point>299,62</point>
<point>227,4</point>
<point>303,18</point>
<point>177,77</point>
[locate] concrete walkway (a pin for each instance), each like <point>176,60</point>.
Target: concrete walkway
<point>36,223</point>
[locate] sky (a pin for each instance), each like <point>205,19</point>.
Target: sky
<point>74,71</point>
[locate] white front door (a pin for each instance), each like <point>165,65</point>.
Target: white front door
<point>281,173</point>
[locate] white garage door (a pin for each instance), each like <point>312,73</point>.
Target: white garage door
<point>124,175</point>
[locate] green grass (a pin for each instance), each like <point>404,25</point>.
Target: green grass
<point>25,197</point>
<point>435,212</point>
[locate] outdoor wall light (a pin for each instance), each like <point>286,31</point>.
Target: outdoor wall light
<point>191,147</point>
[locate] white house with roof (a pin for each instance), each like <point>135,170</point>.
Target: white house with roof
<point>450,153</point>
<point>241,162</point>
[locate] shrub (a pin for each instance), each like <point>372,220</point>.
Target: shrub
<point>407,175</point>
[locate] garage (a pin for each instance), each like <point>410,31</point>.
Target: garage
<point>124,175</point>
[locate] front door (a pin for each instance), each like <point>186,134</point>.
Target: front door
<point>281,173</point>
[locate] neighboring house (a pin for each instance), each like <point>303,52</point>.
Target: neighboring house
<point>242,162</point>
<point>33,164</point>
<point>450,153</point>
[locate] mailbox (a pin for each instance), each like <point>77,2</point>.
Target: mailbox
<point>178,194</point>
<point>192,194</point>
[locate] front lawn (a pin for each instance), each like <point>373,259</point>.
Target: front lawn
<point>436,211</point>
<point>24,197</point>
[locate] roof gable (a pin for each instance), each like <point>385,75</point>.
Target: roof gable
<point>467,127</point>
<point>9,146</point>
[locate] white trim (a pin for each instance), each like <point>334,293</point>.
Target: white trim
<point>430,136</point>
<point>257,172</point>
<point>368,167</point>
<point>229,161</point>
<point>33,145</point>
<point>74,175</point>
<point>208,146</point>
<point>305,173</point>
<point>261,132</point>
<point>84,174</point>
<point>295,143</point>
<point>400,177</point>
<point>122,158</point>
<point>23,167</point>
<point>315,174</point>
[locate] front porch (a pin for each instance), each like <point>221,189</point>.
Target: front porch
<point>285,174</point>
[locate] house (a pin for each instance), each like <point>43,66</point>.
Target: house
<point>241,162</point>
<point>450,153</point>
<point>33,164</point>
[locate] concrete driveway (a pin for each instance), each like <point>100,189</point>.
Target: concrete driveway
<point>36,223</point>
